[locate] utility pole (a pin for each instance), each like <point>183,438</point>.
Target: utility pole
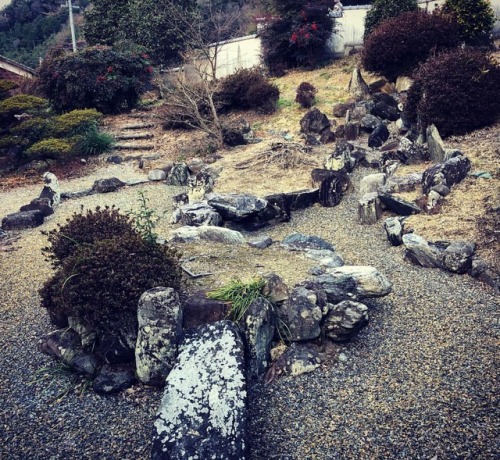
<point>72,26</point>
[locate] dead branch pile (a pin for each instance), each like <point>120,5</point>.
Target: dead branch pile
<point>285,155</point>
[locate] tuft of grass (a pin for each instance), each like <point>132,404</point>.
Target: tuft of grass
<point>95,142</point>
<point>284,103</point>
<point>240,294</point>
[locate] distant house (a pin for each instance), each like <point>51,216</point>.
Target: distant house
<point>14,71</point>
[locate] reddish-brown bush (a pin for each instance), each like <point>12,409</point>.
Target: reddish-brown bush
<point>400,44</point>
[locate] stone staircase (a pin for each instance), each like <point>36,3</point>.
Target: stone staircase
<point>134,138</point>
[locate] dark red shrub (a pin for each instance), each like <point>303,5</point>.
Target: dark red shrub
<point>305,95</point>
<point>399,44</point>
<point>457,91</point>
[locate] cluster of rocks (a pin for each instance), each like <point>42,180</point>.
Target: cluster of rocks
<point>204,361</point>
<point>33,214</point>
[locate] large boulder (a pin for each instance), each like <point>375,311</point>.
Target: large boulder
<point>42,204</point>
<point>448,174</point>
<point>159,316</point>
<point>385,111</point>
<point>198,214</point>
<point>22,220</point>
<point>368,280</point>
<point>457,257</point>
<point>206,233</point>
<point>236,207</point>
<point>302,312</point>
<point>203,411</point>
<point>344,320</point>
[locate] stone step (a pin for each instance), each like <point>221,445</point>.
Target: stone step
<point>138,126</point>
<point>134,147</point>
<point>136,136</point>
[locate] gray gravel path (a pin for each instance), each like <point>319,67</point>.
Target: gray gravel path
<point>420,381</point>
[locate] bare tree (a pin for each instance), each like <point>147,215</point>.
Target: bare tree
<point>192,95</point>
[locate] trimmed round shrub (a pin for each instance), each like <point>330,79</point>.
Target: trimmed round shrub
<point>457,91</point>
<point>33,129</point>
<point>5,87</point>
<point>21,103</point>
<point>101,283</point>
<point>248,89</point>
<point>305,95</point>
<point>475,18</point>
<point>86,228</point>
<point>97,77</point>
<point>103,265</point>
<point>75,122</point>
<point>399,44</point>
<point>49,149</point>
<point>381,10</point>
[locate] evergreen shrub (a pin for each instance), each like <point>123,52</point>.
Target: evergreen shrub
<point>49,149</point>
<point>381,10</point>
<point>399,44</point>
<point>457,91</point>
<point>97,77</point>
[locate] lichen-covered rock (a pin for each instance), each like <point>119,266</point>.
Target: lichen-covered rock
<point>340,160</point>
<point>411,152</point>
<point>178,175</point>
<point>206,233</point>
<point>22,220</point>
<point>357,85</point>
<point>202,414</point>
<point>199,185</point>
<point>344,320</point>
<point>369,281</point>
<point>160,327</point>
<point>457,257</point>
<point>398,184</point>
<point>275,288</point>
<point>259,327</point>
<point>302,312</point>
<point>297,359</point>
<point>51,189</point>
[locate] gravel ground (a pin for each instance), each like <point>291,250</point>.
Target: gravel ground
<point>420,381</point>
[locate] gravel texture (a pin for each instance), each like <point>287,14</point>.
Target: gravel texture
<point>419,382</point>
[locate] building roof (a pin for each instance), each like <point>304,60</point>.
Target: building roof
<point>16,67</point>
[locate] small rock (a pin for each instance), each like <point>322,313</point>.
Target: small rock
<point>398,205</point>
<point>261,242</point>
<point>394,229</point>
<point>107,185</point>
<point>23,220</point>
<point>300,242</point>
<point>344,320</point>
<point>378,136</point>
<point>435,144</point>
<point>157,175</point>
<point>114,378</point>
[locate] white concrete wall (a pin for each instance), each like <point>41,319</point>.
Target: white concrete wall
<point>240,53</point>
